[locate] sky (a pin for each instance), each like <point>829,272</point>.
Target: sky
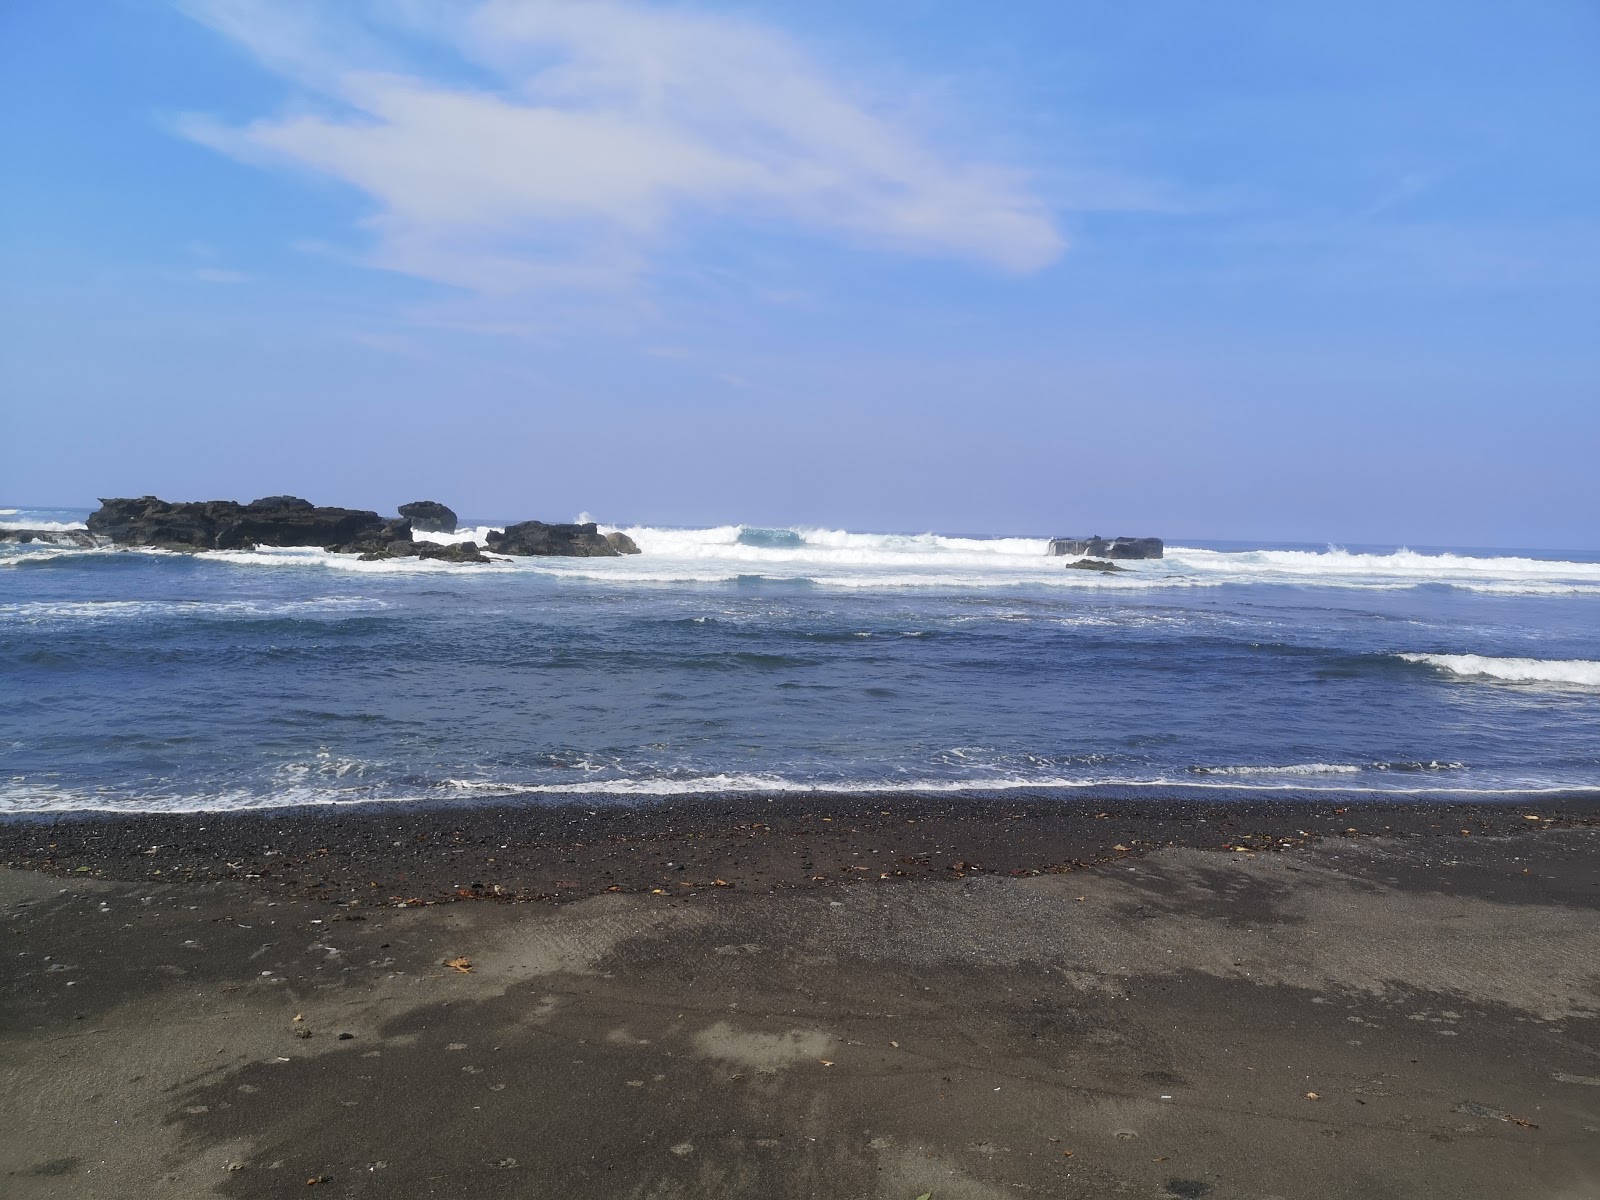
<point>1312,272</point>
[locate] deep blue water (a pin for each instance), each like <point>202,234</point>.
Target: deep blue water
<point>735,660</point>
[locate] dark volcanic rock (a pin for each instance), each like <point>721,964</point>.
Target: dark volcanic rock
<point>1097,564</point>
<point>565,541</point>
<point>372,553</point>
<point>456,552</point>
<point>228,525</point>
<point>389,541</point>
<point>622,543</point>
<point>51,537</point>
<point>1118,547</point>
<point>1131,547</point>
<point>429,516</point>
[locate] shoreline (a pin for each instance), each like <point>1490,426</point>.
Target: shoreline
<point>536,850</point>
<point>1055,794</point>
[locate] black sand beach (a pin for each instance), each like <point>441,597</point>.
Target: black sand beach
<point>818,997</point>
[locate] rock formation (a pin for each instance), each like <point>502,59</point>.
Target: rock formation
<point>228,525</point>
<point>379,541</point>
<point>429,516</point>
<point>1097,564</point>
<point>456,552</point>
<point>291,521</point>
<point>1118,547</point>
<point>568,541</point>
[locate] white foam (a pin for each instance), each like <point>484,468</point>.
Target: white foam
<point>16,556</point>
<point>476,533</point>
<point>55,526</point>
<point>303,789</point>
<point>841,559</point>
<point>1578,671</point>
<point>110,610</point>
<point>313,556</point>
<point>1291,769</point>
<point>836,558</point>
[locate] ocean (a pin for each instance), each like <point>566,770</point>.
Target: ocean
<point>748,660</point>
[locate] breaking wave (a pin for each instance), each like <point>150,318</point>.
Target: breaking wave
<point>56,526</point>
<point>111,610</point>
<point>1574,671</point>
<point>842,559</point>
<point>1291,769</point>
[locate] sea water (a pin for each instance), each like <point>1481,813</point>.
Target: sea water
<point>738,659</point>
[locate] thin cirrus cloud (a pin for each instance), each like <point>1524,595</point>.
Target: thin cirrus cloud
<point>594,136</point>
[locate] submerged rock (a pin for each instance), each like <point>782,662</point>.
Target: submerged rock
<point>564,541</point>
<point>1118,547</point>
<point>229,525</point>
<point>429,516</point>
<point>1097,564</point>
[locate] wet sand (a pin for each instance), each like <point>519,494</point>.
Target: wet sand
<point>818,997</point>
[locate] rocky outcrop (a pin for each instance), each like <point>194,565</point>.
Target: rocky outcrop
<point>228,525</point>
<point>1118,547</point>
<point>454,552</point>
<point>51,537</point>
<point>566,541</point>
<point>378,541</point>
<point>291,521</point>
<point>1101,565</point>
<point>429,516</point>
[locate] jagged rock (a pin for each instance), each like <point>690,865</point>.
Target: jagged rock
<point>456,552</point>
<point>382,542</point>
<point>51,537</point>
<point>429,516</point>
<point>1118,547</point>
<point>394,550</point>
<point>566,541</point>
<point>228,525</point>
<point>1097,564</point>
<point>1132,547</point>
<point>291,521</point>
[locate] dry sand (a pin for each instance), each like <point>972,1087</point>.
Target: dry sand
<point>1398,1012</point>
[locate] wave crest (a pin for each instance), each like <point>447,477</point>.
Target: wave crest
<point>1576,671</point>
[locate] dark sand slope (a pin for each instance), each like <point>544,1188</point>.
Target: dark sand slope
<point>1152,1025</point>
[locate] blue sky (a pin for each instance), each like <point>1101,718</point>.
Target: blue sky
<point>1320,272</point>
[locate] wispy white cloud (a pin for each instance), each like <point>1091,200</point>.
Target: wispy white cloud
<point>557,146</point>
